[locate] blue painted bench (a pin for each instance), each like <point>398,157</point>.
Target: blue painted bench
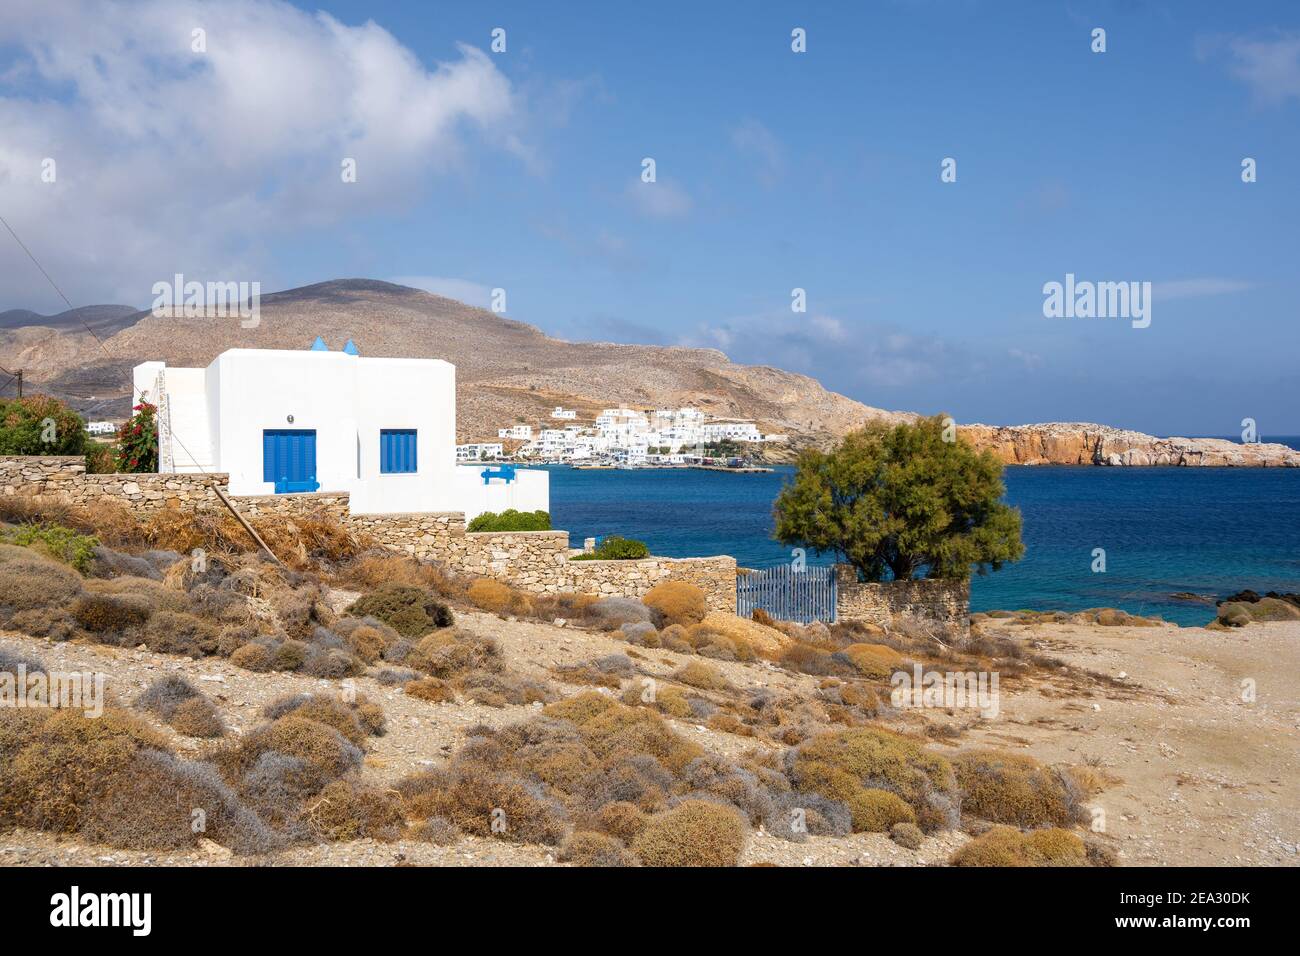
<point>505,472</point>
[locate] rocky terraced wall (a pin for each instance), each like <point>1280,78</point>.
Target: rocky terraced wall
<point>890,603</point>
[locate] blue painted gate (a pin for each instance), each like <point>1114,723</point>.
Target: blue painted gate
<point>802,596</point>
<point>289,459</point>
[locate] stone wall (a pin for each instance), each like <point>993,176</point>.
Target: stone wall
<point>946,603</point>
<point>530,560</point>
<point>66,478</point>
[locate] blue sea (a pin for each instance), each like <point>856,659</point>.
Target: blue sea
<point>1207,531</point>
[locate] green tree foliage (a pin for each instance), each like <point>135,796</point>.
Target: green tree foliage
<point>511,520</point>
<point>896,501</point>
<point>40,425</point>
<point>137,442</point>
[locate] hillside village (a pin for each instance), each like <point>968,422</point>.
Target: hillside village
<point>624,436</point>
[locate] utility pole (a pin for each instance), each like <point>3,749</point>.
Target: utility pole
<point>19,376</point>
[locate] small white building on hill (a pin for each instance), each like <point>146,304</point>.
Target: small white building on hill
<point>279,421</point>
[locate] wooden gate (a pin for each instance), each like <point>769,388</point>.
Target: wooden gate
<point>787,594</point>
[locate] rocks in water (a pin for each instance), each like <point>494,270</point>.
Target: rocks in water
<point>1192,598</point>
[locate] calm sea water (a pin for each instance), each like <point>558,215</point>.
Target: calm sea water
<point>1207,531</point>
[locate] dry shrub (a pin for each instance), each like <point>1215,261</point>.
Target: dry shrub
<point>501,689</point>
<point>907,835</point>
<point>174,632</point>
<point>1004,846</point>
<point>376,569</point>
<point>347,718</point>
<point>807,659</point>
<point>451,653</point>
<point>845,764</point>
<point>182,706</point>
<point>198,718</point>
<point>612,613</point>
<point>150,806</point>
<point>348,810</point>
<point>289,655</point>
<point>876,811</point>
<point>474,798</point>
<point>489,595</point>
<point>110,615</point>
<point>28,581</point>
<point>252,657</point>
<point>621,819</point>
<point>324,753</point>
<point>367,644</point>
<point>1017,790</point>
<point>676,602</point>
<point>613,730</point>
<point>587,848</point>
<point>308,539</point>
<point>431,689</point>
<point>410,611</point>
<point>694,833</point>
<point>759,616</point>
<point>701,675</point>
<point>439,831</point>
<point>872,660</point>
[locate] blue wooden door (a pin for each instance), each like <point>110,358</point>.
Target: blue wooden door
<point>289,459</point>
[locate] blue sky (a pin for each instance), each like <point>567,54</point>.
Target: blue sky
<point>775,170</point>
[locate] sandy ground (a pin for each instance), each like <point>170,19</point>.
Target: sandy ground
<point>1201,776</point>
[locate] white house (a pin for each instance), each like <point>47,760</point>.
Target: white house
<point>563,412</point>
<point>518,432</point>
<point>475,451</point>
<point>101,428</point>
<point>278,421</point>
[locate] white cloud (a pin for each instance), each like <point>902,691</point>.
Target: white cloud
<point>663,199</point>
<point>170,160</point>
<point>1270,67</point>
<point>1197,288</point>
<point>462,290</point>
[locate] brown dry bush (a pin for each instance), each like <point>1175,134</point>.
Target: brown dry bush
<point>374,569</point>
<point>485,802</point>
<point>349,810</point>
<point>701,675</point>
<point>489,595</point>
<point>872,660</point>
<point>694,833</point>
<point>846,764</point>
<point>676,602</point>
<point>431,689</point>
<point>252,657</point>
<point>110,616</point>
<point>620,819</point>
<point>1017,790</point>
<point>907,835</point>
<point>588,848</point>
<point>174,632</point>
<point>29,581</point>
<point>451,653</point>
<point>325,754</point>
<point>1004,846</point>
<point>59,758</point>
<point>182,706</point>
<point>355,721</point>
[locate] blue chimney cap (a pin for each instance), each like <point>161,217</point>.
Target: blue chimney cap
<point>319,345</point>
<point>351,348</point>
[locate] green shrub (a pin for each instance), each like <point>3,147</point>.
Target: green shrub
<point>615,548</point>
<point>58,542</point>
<point>511,520</point>
<point>410,611</point>
<point>40,425</point>
<point>101,459</point>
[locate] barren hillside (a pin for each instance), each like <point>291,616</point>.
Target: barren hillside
<point>506,370</point>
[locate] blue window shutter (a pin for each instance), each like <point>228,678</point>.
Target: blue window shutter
<point>397,451</point>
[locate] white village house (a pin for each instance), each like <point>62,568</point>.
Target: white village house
<point>280,421</point>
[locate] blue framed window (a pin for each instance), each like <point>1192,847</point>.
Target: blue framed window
<point>289,459</point>
<point>397,451</point>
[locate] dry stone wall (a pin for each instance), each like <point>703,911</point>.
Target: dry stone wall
<point>536,561</point>
<point>946,603</point>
